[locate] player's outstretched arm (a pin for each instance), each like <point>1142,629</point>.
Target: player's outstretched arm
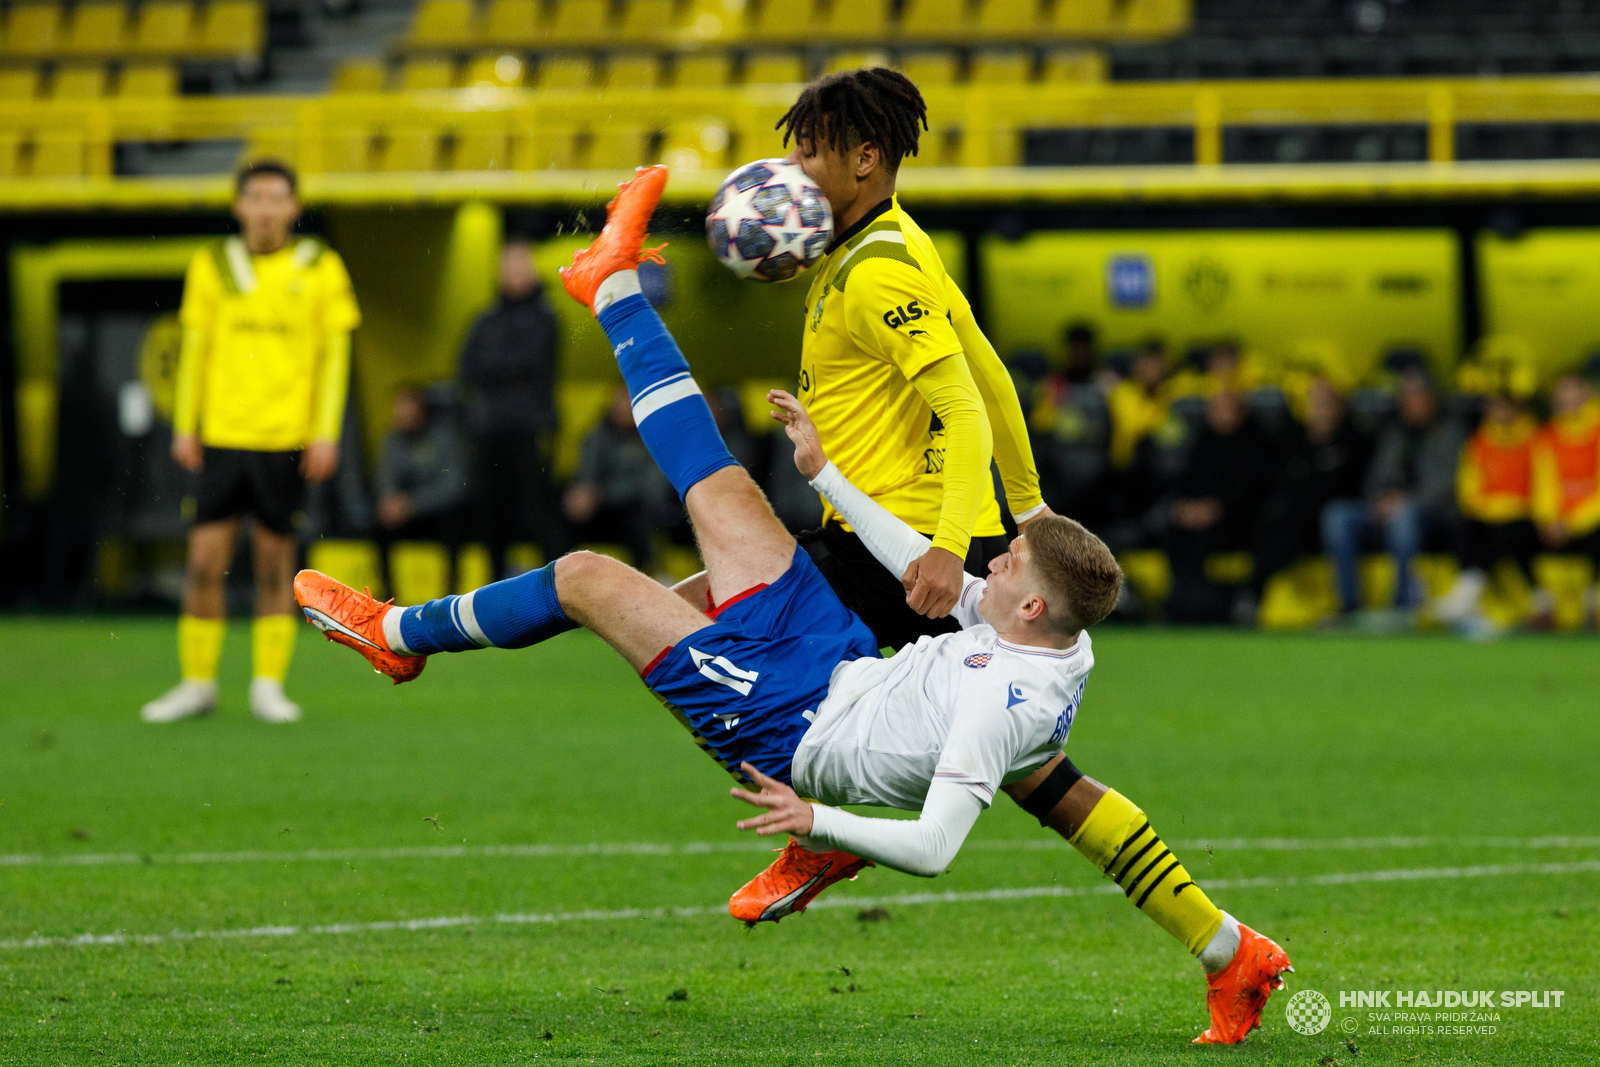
<point>922,846</point>
<point>1012,452</point>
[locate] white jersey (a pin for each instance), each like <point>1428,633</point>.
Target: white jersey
<point>964,707</point>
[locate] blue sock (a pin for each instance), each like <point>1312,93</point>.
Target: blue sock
<point>515,613</point>
<point>668,407</point>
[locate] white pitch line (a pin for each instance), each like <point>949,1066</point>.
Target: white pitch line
<point>703,848</point>
<point>1415,874</point>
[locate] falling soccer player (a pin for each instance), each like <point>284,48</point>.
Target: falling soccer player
<point>783,685</point>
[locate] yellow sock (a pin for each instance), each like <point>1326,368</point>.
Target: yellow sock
<point>200,647</point>
<point>1117,838</point>
<point>272,645</point>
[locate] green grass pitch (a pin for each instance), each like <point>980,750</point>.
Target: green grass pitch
<point>576,954</point>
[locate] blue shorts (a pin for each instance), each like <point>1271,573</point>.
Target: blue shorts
<point>745,684</point>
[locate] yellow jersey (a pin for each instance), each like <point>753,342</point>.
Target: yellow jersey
<point>880,311</point>
<point>258,378</point>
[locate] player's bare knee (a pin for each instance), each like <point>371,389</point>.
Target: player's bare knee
<point>582,572</point>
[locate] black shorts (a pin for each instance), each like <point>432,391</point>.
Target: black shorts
<point>235,482</point>
<point>867,588</point>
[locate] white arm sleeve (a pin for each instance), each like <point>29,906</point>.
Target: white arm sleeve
<point>891,542</point>
<point>923,846</point>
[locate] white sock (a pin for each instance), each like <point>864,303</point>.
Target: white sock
<point>1220,950</point>
<point>391,633</point>
<point>810,845</point>
<point>622,283</point>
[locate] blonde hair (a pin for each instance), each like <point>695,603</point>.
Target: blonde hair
<point>1077,570</point>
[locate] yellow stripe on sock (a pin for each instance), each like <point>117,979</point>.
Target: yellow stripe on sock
<point>200,647</point>
<point>272,645</point>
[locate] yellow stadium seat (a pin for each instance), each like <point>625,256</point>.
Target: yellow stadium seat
<point>358,76</point>
<point>411,148</point>
<point>10,153</point>
<point>774,68</point>
<point>78,81</point>
<point>1062,65</point>
<point>419,75</point>
<point>565,72</point>
<point>421,571</point>
<point>233,28</point>
<point>59,153</point>
<point>1008,18</point>
<point>632,72</point>
<point>482,150</point>
<point>1001,67</point>
<point>933,19</point>
<point>346,150</point>
<point>1084,18</point>
<point>703,70</point>
<point>855,20</point>
<point>787,20</point>
<point>33,29</point>
<point>617,145</point>
<point>495,70</point>
<point>755,138</point>
<point>645,21</point>
<point>579,22</point>
<point>98,28</point>
<point>713,20</point>
<point>697,145</point>
<point>940,67</point>
<point>148,80</point>
<point>355,563</point>
<point>443,24</point>
<point>549,145</point>
<point>511,23</point>
<point>1154,18</point>
<point>850,60</point>
<point>166,27</point>
<point>19,83</point>
<point>474,568</point>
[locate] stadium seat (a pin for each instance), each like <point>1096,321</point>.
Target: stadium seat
<point>59,153</point>
<point>1009,18</point>
<point>420,571</point>
<point>933,19</point>
<point>99,28</point>
<point>713,20</point>
<point>511,23</point>
<point>482,150</point>
<point>443,24</point>
<point>495,70</point>
<point>233,28</point>
<point>143,81</point>
<point>850,60</point>
<point>10,153</point>
<point>645,21</point>
<point>418,75</point>
<point>1064,65</point>
<point>410,148</point>
<point>474,568</point>
<point>855,20</point>
<point>355,563</point>
<point>548,146</point>
<point>1152,18</point>
<point>579,22</point>
<point>33,29</point>
<point>774,68</point>
<point>702,70</point>
<point>1149,573</point>
<point>165,27</point>
<point>1011,66</point>
<point>617,145</point>
<point>787,20</point>
<point>19,83</point>
<point>78,81</point>
<point>565,72</point>
<point>755,138</point>
<point>358,76</point>
<point>696,145</point>
<point>632,72</point>
<point>931,67</point>
<point>345,150</point>
<point>1083,18</point>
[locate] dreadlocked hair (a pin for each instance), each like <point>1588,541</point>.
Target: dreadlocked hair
<point>852,107</point>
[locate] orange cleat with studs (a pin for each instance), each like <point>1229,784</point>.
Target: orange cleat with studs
<point>793,881</point>
<point>618,246</point>
<point>1236,994</point>
<point>354,620</point>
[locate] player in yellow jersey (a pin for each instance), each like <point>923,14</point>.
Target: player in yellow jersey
<point>260,401</point>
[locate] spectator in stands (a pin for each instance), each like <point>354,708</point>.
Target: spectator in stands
<point>1566,470</point>
<point>421,477</point>
<point>1072,432</point>
<point>1409,498</point>
<point>1219,499</point>
<point>508,374</point>
<point>619,495</point>
<point>1494,490</point>
<point>1319,461</point>
<point>1138,406</point>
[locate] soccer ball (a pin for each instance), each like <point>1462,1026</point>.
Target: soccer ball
<point>768,221</point>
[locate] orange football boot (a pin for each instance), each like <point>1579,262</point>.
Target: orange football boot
<point>354,620</point>
<point>793,881</point>
<point>1236,994</point>
<point>617,247</point>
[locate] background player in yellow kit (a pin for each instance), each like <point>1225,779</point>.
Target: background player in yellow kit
<point>261,391</point>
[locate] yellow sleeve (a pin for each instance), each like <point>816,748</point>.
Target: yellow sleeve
<point>1469,484</point>
<point>1012,452</point>
<point>340,314</point>
<point>202,290</point>
<point>948,388</point>
<point>333,381</point>
<point>1546,503</point>
<point>190,380</point>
